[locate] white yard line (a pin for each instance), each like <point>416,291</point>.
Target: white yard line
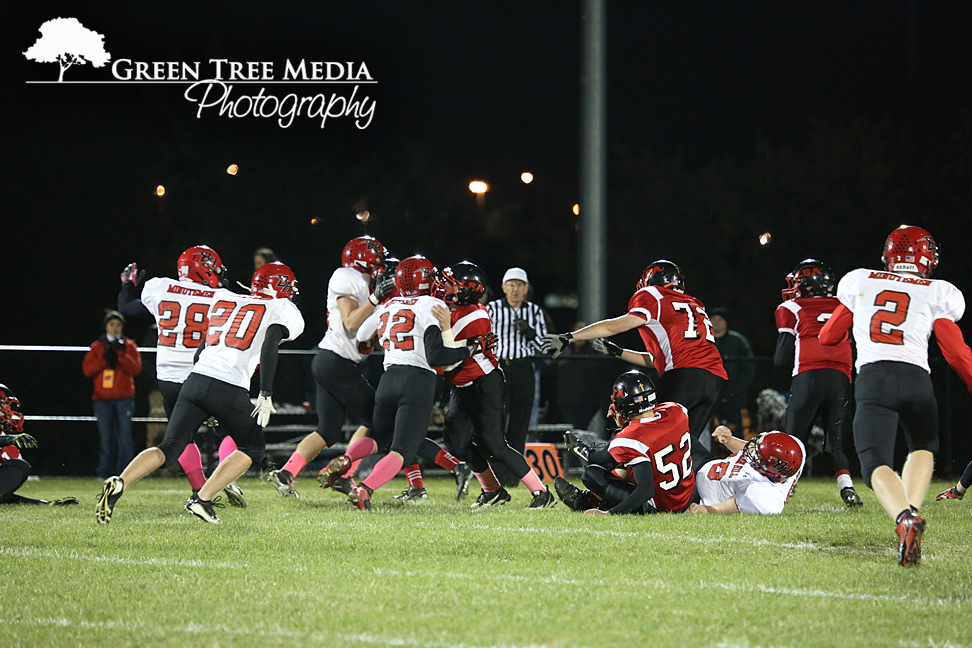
<point>154,562</point>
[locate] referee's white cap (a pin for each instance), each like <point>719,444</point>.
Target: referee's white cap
<point>516,274</point>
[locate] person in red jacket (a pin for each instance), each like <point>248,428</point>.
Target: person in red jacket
<point>113,362</point>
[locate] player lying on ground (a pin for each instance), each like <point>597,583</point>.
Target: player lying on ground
<point>758,477</point>
<point>181,311</point>
<point>13,468</point>
<point>647,466</point>
<point>893,313</point>
<point>958,490</point>
<point>244,331</point>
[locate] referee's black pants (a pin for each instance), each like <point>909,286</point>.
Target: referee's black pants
<point>698,391</point>
<point>520,390</point>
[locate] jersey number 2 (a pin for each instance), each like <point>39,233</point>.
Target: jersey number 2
<point>894,317</point>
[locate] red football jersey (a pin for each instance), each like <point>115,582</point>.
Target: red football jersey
<point>468,322</point>
<point>803,318</point>
<point>665,442</point>
<point>676,330</point>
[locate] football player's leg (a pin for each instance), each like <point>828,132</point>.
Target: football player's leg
<point>13,474</point>
<point>698,391</point>
<point>233,410</point>
<point>602,482</point>
<point>875,429</point>
<point>191,462</point>
<point>801,410</point>
<point>185,420</point>
<point>920,424</point>
<point>125,407</point>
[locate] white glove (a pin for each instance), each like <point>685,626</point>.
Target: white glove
<point>264,408</point>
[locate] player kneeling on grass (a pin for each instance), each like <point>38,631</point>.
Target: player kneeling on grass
<point>758,478</point>
<point>14,469</point>
<point>647,467</point>
<point>244,331</point>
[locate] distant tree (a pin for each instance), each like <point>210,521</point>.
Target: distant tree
<point>67,42</point>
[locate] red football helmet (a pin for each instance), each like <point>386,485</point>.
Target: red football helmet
<point>663,274</point>
<point>776,455</point>
<point>11,418</point>
<point>274,280</point>
<point>910,249</point>
<point>363,253</point>
<point>414,276</point>
<point>202,265</point>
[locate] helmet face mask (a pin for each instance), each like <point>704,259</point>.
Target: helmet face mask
<point>274,281</point>
<point>415,276</point>
<point>201,264</point>
<point>363,253</point>
<point>463,284</point>
<point>810,278</point>
<point>11,416</point>
<point>663,274</point>
<point>775,455</point>
<point>910,249</point>
<point>633,394</point>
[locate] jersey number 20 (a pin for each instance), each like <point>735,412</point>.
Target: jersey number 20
<point>245,324</point>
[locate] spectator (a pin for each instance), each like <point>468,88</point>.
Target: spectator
<point>262,257</point>
<point>737,357</point>
<point>113,362</point>
<point>519,324</point>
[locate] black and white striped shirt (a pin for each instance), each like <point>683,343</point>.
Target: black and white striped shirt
<point>512,344</point>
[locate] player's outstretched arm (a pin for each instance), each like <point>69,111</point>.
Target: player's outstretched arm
<point>608,327</point>
<point>437,353</point>
<point>835,330</point>
<point>725,508</point>
<point>785,350</point>
<point>954,348</point>
<point>353,315</point>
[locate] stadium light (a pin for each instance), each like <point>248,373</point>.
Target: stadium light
<point>576,209</point>
<point>526,177</point>
<point>478,187</point>
<point>160,191</point>
<point>232,169</point>
<point>765,238</point>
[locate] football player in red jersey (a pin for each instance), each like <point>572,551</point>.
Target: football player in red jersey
<point>181,310</point>
<point>653,454</point>
<point>343,393</point>
<point>14,469</point>
<point>892,314</point>
<point>821,375</point>
<point>477,414</point>
<point>677,335</point>
<point>244,332</point>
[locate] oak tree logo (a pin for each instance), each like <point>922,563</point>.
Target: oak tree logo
<point>67,42</point>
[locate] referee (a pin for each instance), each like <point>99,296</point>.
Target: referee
<point>519,325</point>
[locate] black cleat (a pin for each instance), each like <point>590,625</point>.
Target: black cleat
<point>204,509</point>
<point>491,499</point>
<point>463,474</point>
<point>283,481</point>
<point>573,498</point>
<point>577,447</point>
<point>342,485</point>
<point>235,496</point>
<point>850,497</point>
<point>412,494</point>
<point>543,499</point>
<point>111,491</point>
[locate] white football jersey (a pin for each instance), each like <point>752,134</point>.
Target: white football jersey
<point>894,313</point>
<point>345,282</point>
<point>181,310</point>
<point>237,328</point>
<point>754,492</point>
<point>400,324</point>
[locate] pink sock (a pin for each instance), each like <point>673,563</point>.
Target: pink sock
<point>445,460</point>
<point>226,447</point>
<point>532,482</point>
<point>361,449</point>
<point>191,462</point>
<point>488,481</point>
<point>384,471</point>
<point>295,464</point>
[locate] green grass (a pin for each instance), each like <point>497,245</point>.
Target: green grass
<point>316,572</point>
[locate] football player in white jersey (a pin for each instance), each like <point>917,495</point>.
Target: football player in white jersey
<point>412,339</point>
<point>342,390</point>
<point>892,313</point>
<point>244,331</point>
<point>758,477</point>
<point>181,311</point>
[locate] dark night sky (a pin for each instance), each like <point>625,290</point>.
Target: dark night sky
<point>465,90</point>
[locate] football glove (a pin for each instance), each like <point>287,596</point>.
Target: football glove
<point>482,343</point>
<point>554,345</point>
<point>384,286</point>
<point>524,328</point>
<point>131,274</point>
<point>951,493</point>
<point>607,347</point>
<point>21,441</point>
<point>264,408</point>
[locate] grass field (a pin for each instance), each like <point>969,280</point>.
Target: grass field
<point>316,572</point>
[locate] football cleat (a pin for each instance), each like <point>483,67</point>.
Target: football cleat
<point>284,483</point>
<point>574,445</point>
<point>205,510</point>
<point>413,494</point>
<point>573,498</point>
<point>463,474</point>
<point>911,527</point>
<point>64,501</point>
<point>951,493</point>
<point>495,498</point>
<point>850,497</point>
<point>336,468</point>
<point>360,497</point>
<point>342,485</point>
<point>111,491</point>
<point>543,500</point>
<point>234,495</point>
